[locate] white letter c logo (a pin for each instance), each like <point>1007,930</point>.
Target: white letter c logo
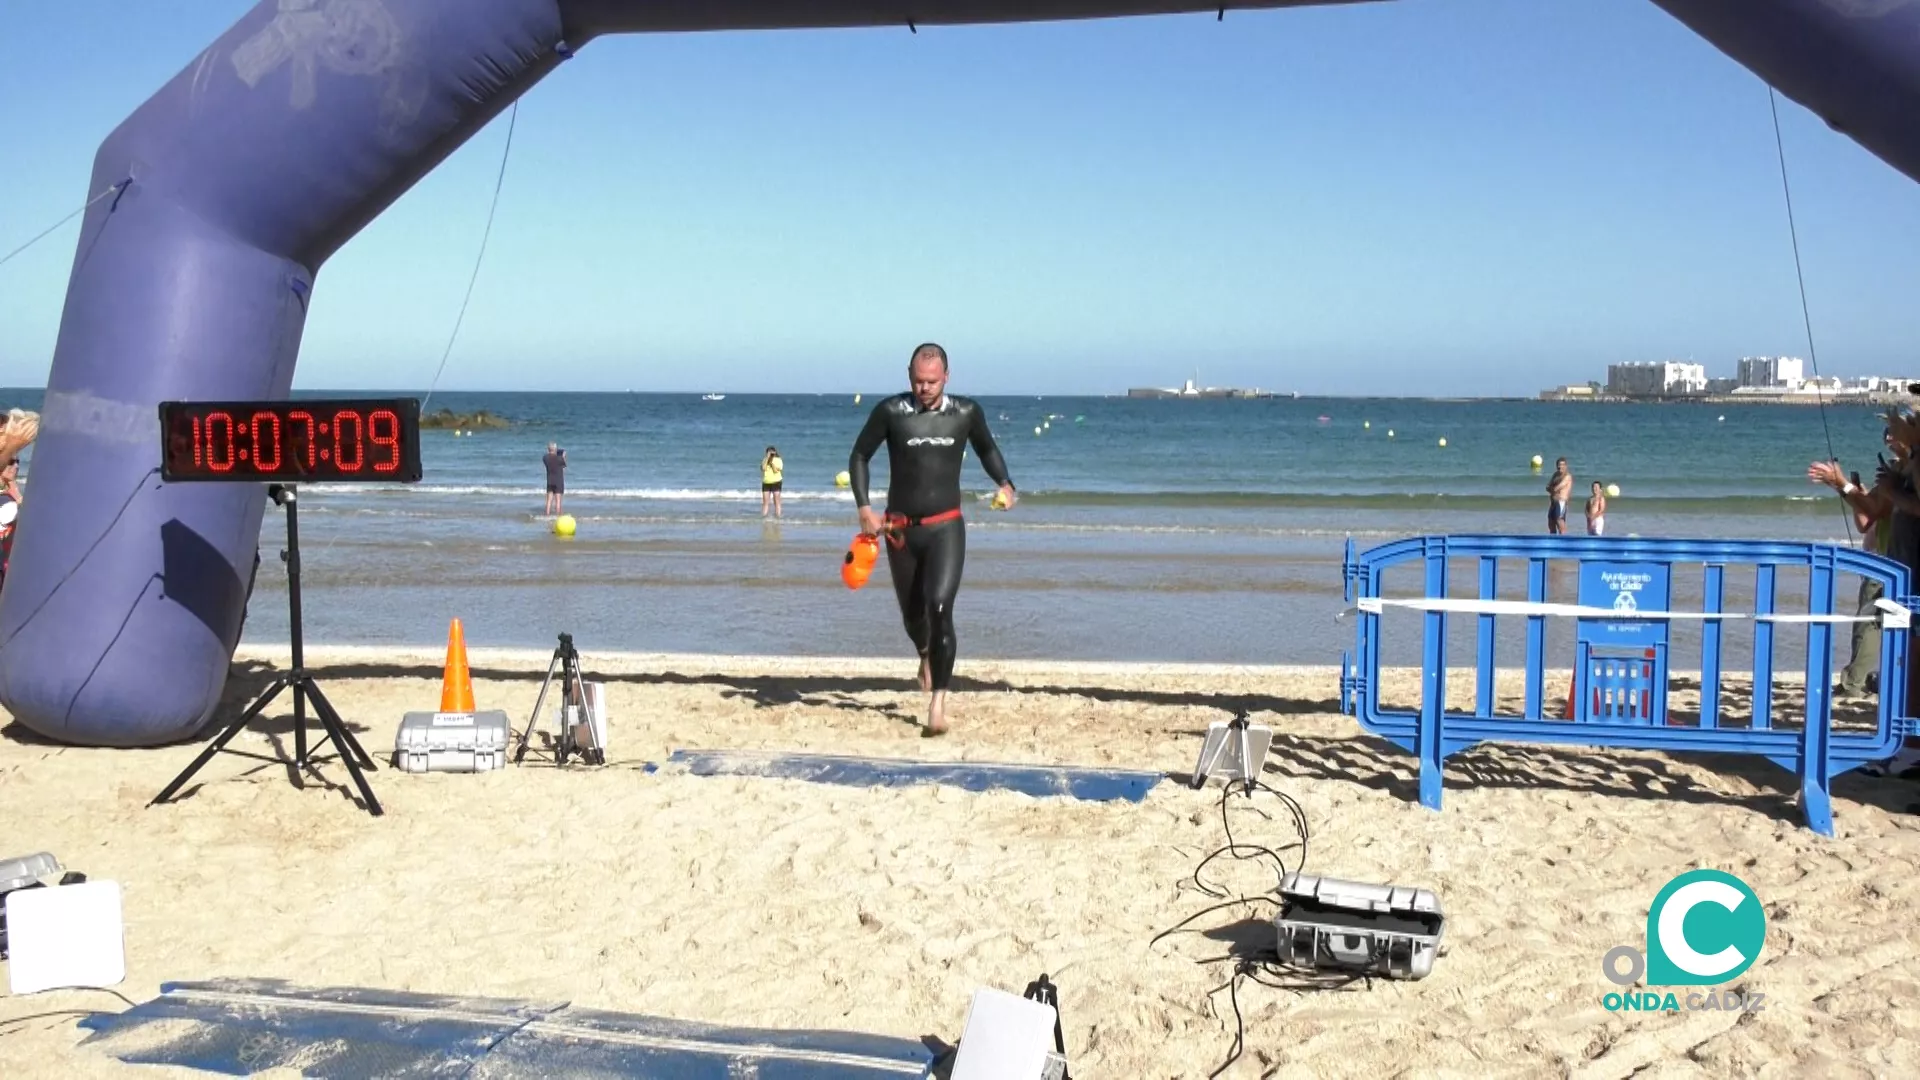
<point>1672,928</point>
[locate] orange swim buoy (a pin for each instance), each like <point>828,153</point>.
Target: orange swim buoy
<point>858,565</point>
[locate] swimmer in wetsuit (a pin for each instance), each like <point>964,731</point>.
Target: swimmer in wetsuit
<point>926,433</point>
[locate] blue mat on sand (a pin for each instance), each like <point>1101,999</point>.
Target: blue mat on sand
<point>1095,785</point>
<point>243,1026</point>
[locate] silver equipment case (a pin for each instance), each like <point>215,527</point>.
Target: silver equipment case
<point>25,872</point>
<point>451,742</point>
<point>1391,931</point>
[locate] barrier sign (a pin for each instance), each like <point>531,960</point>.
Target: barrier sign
<point>1626,588</point>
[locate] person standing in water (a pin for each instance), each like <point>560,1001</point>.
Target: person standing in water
<point>772,474</point>
<point>1597,511</point>
<point>556,463</point>
<point>1559,493</point>
<point>926,432</point>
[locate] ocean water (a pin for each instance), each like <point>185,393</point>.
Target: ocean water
<point>1148,529</point>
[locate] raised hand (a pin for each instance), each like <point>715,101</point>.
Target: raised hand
<point>1828,473</point>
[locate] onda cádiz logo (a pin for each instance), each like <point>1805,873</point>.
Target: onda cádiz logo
<point>930,440</point>
<point>1704,928</point>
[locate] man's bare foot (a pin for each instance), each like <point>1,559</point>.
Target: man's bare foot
<point>936,715</point>
<point>926,674</point>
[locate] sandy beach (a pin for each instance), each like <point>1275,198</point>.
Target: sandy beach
<point>779,903</point>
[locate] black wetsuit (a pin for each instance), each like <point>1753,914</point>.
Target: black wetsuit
<point>925,449</point>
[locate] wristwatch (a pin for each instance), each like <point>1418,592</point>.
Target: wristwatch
<point>1849,488</point>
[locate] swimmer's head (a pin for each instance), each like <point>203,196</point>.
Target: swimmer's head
<point>552,446</point>
<point>927,372</point>
<point>1596,487</point>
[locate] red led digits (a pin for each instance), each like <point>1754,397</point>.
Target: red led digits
<point>391,441</point>
<point>332,440</point>
<point>306,418</point>
<point>216,442</point>
<point>341,443</point>
<point>271,442</point>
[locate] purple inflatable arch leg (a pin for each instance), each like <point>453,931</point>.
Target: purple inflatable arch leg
<point>237,180</point>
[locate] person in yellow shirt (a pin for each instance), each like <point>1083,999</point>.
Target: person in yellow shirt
<point>772,471</point>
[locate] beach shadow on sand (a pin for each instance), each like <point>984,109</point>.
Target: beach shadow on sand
<point>822,691</point>
<point>246,680</point>
<point>834,691</point>
<point>1364,760</point>
<point>1372,762</point>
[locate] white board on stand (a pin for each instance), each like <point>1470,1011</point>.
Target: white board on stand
<point>1007,1037</point>
<point>68,935</point>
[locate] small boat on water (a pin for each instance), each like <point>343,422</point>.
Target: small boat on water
<point>714,397</point>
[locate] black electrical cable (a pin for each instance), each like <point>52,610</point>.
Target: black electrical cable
<point>1264,969</point>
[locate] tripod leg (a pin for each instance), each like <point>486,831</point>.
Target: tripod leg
<point>352,744</point>
<point>299,725</point>
<point>1208,764</point>
<point>331,721</point>
<point>266,698</point>
<point>596,755</point>
<point>520,751</point>
<point>1247,778</point>
<point>572,692</point>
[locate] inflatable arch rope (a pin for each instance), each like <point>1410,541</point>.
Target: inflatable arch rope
<point>216,203</point>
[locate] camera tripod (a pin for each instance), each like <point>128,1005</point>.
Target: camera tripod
<point>300,681</point>
<point>1237,755</point>
<point>573,696</point>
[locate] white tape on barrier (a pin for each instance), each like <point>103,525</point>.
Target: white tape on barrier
<point>1892,616</point>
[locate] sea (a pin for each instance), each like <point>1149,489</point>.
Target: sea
<point>1205,530</point>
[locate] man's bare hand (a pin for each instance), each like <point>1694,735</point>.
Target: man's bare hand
<point>1828,473</point>
<point>870,523</point>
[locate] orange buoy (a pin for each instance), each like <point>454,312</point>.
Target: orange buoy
<point>858,565</point>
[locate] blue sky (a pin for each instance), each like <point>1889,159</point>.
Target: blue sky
<point>1420,197</point>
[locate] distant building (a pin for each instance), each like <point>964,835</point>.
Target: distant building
<point>1588,391</point>
<point>1881,384</point>
<point>1722,386</point>
<point>1660,378</point>
<point>1773,372</point>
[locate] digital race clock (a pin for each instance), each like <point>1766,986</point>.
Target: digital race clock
<point>291,441</point>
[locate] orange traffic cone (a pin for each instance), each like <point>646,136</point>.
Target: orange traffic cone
<point>456,690</point>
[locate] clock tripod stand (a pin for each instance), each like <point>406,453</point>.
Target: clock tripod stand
<point>299,680</point>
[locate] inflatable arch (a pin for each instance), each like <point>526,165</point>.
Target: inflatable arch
<point>218,200</point>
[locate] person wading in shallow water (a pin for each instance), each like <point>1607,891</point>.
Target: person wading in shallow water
<point>926,432</point>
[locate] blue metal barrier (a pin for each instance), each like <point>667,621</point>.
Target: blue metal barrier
<point>1618,694</point>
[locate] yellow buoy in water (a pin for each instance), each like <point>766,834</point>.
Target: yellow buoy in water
<point>1613,491</point>
<point>1366,424</point>
<point>1036,431</point>
<point>563,525</point>
<point>841,479</point>
<point>856,399</point>
<point>1389,433</point>
<point>1443,442</point>
<point>1537,461</point>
